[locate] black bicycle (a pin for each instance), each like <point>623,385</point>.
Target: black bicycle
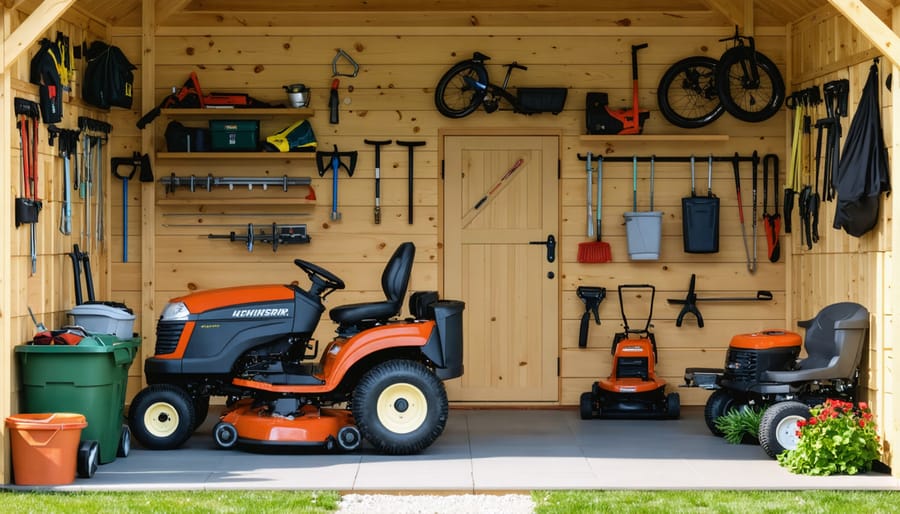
<point>466,86</point>
<point>695,91</point>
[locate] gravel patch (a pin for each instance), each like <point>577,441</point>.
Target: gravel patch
<point>431,504</point>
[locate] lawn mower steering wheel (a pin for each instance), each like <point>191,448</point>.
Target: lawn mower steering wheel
<point>321,278</point>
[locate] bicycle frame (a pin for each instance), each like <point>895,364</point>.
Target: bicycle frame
<point>491,102</point>
<point>749,68</point>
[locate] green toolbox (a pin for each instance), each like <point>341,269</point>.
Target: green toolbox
<point>89,378</point>
<point>234,135</point>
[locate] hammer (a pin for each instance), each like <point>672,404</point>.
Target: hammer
<point>411,145</point>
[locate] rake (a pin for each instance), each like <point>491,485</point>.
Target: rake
<point>594,251</point>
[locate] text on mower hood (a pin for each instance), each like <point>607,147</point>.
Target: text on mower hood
<point>260,313</point>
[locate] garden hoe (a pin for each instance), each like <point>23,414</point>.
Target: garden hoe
<point>333,161</point>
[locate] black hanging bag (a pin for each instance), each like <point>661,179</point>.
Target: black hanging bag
<point>862,174</point>
<point>108,78</point>
<point>45,66</point>
<point>700,218</point>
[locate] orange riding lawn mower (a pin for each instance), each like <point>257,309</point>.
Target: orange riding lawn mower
<point>762,371</point>
<point>380,379</point>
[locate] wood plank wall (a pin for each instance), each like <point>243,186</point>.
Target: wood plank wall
<point>392,98</point>
<point>825,47</point>
<point>50,291</point>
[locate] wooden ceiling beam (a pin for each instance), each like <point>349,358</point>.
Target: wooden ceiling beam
<point>168,8</point>
<point>871,26</point>
<point>737,12</point>
<point>31,29</point>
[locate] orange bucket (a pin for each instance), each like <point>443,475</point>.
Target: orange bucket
<point>45,447</point>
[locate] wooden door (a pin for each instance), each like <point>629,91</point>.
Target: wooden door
<point>509,285</point>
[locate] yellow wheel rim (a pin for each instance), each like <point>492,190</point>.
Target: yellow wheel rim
<point>161,419</point>
<point>402,408</point>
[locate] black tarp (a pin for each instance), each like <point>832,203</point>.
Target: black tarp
<point>863,172</point>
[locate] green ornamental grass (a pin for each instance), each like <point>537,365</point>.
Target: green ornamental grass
<point>739,423</point>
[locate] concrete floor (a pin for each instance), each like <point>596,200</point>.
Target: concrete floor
<point>488,451</point>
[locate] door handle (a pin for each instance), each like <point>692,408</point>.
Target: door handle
<point>551,247</point>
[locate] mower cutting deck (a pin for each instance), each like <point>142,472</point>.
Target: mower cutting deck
<point>379,379</point>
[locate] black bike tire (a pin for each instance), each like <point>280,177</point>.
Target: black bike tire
<point>670,111</point>
<point>767,68</point>
<point>460,69</point>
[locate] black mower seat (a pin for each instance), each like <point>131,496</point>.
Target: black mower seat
<point>394,281</point>
<point>834,344</point>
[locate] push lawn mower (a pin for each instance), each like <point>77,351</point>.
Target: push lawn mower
<point>379,379</point>
<point>762,370</point>
<point>632,390</point>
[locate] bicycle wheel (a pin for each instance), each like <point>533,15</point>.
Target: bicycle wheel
<point>739,96</point>
<point>687,93</point>
<point>454,95</point>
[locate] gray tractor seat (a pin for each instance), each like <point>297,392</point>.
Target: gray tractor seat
<point>834,344</point>
<point>394,281</point>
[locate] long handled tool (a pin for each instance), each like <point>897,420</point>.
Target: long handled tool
<point>594,251</point>
<point>736,163</point>
<point>411,145</point>
<point>135,163</point>
<point>29,205</point>
<point>333,161</point>
<point>754,224</point>
<point>377,145</point>
<point>772,222</point>
<point>489,194</point>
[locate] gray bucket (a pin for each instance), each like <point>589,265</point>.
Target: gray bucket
<point>644,229</point>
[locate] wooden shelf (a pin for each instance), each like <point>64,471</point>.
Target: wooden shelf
<point>238,113</point>
<point>654,137</point>
<point>235,201</point>
<point>284,156</point>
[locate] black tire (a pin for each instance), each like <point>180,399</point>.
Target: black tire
<point>751,104</point>
<point>400,407</point>
<point>453,97</point>
<point>673,405</point>
<point>201,409</point>
<point>88,459</point>
<point>349,438</point>
<point>225,435</point>
<point>778,426</point>
<point>161,417</point>
<point>718,404</point>
<point>586,406</point>
<point>124,442</point>
<point>687,93</point>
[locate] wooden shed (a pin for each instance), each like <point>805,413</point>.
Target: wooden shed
<point>522,317</point>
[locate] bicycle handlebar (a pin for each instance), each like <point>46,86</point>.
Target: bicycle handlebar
<point>515,65</point>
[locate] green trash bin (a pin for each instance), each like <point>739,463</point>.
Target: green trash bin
<point>89,378</point>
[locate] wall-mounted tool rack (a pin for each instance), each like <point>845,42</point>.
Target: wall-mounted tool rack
<point>210,181</point>
<point>663,158</point>
<point>280,235</point>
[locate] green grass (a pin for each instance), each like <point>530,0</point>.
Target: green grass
<point>755,502</point>
<point>175,502</point>
<point>568,502</point>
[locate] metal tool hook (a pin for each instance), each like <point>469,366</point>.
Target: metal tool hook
<point>341,54</point>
